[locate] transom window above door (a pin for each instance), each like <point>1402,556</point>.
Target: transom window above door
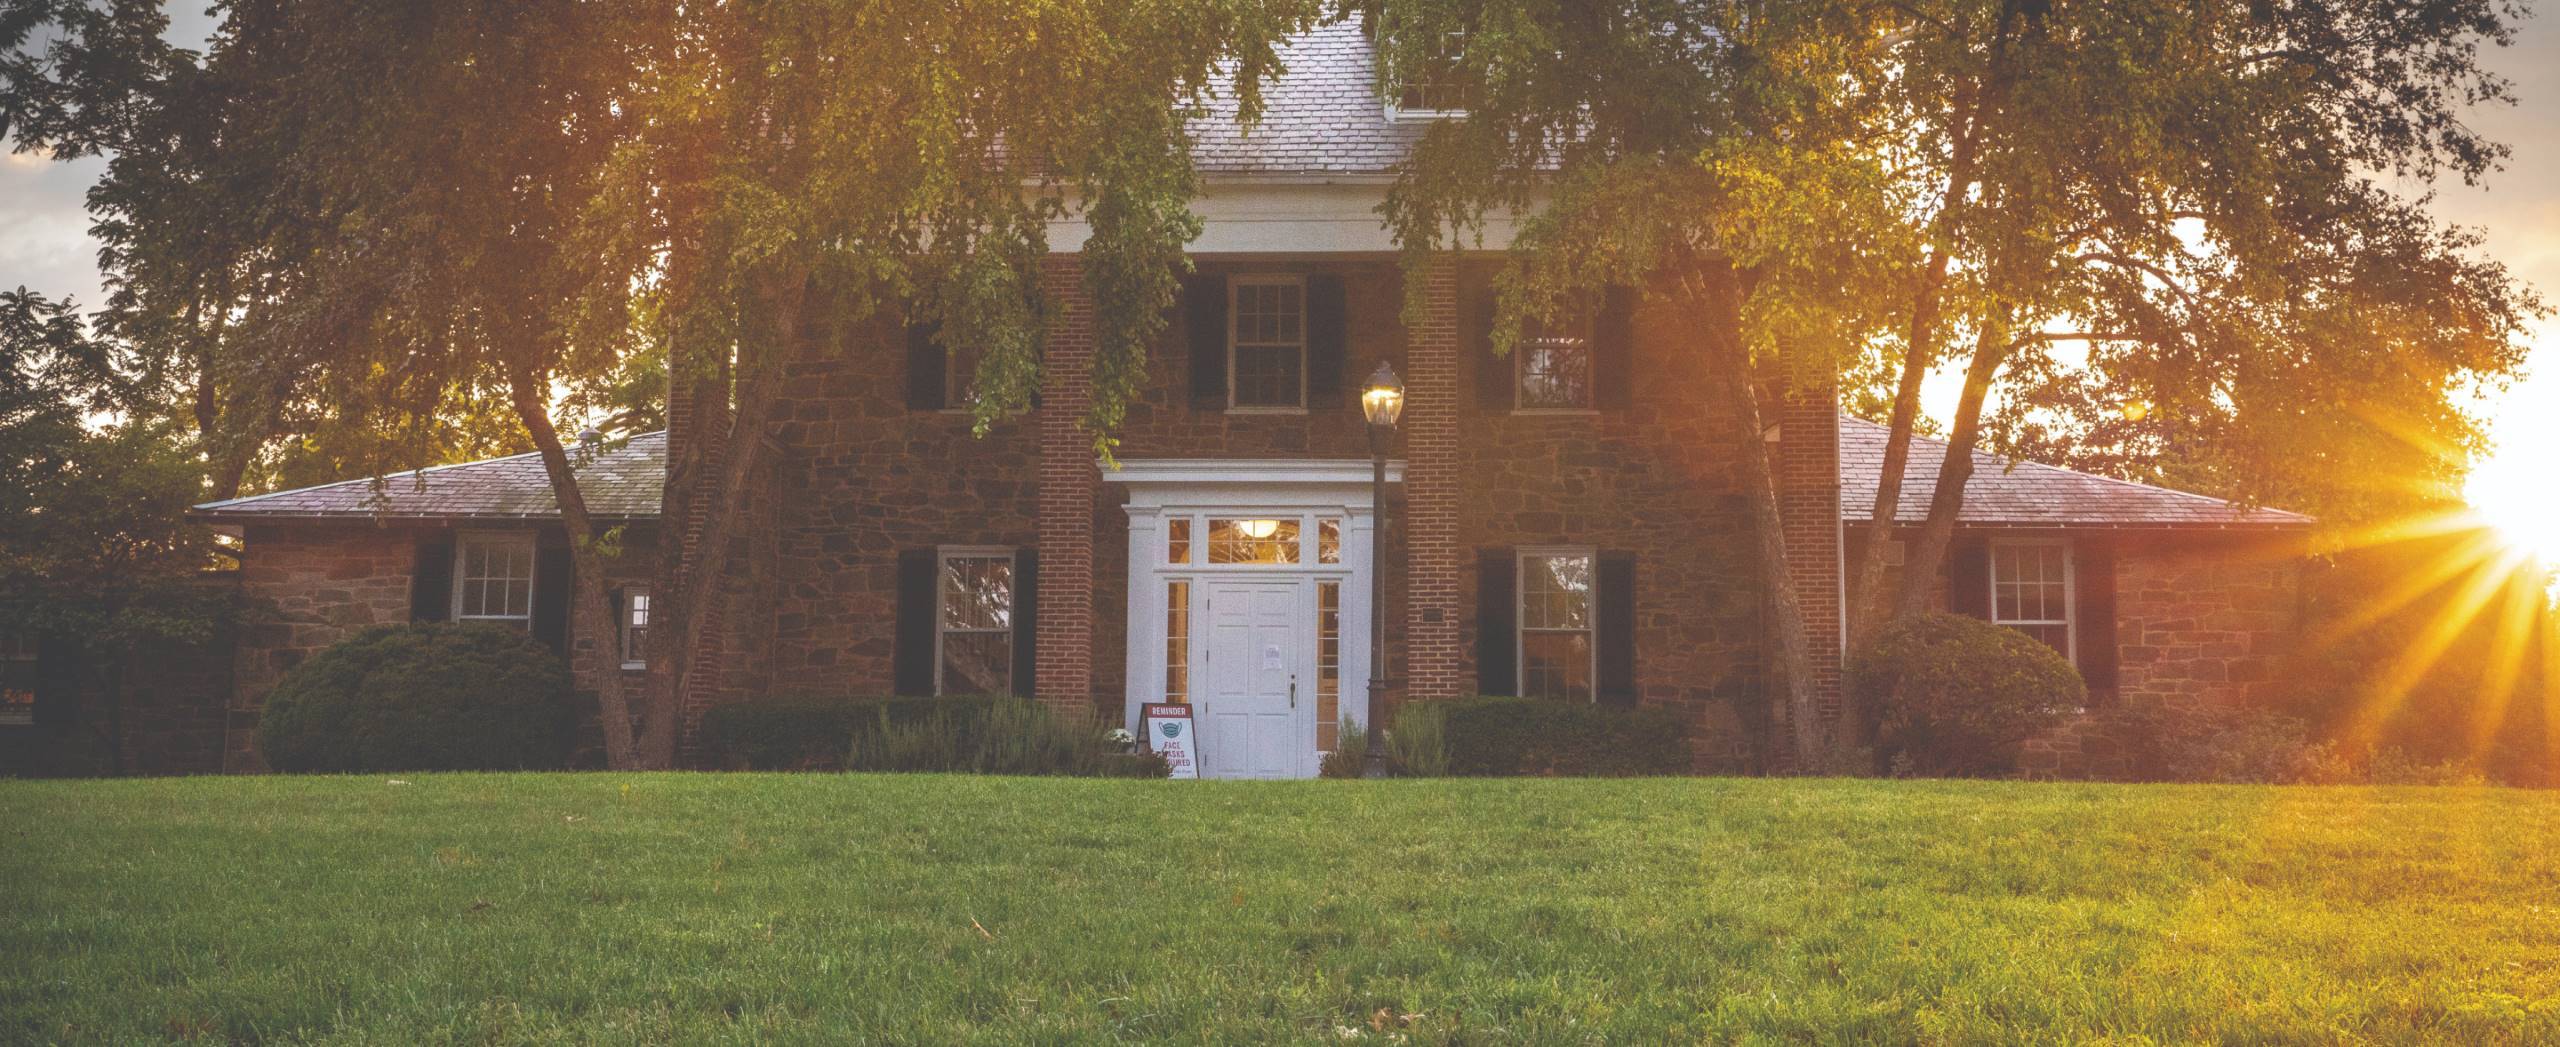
<point>1267,342</point>
<point>1253,541</point>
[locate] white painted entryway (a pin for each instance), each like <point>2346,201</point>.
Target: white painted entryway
<point>1249,601</point>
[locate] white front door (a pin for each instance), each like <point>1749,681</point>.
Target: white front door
<point>1256,702</point>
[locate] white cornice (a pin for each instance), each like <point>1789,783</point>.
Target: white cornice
<point>1326,472</point>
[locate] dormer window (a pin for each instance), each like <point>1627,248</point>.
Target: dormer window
<point>1436,90</point>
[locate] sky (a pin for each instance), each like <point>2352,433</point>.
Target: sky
<point>45,244</point>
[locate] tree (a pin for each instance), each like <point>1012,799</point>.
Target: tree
<point>2189,198</point>
<point>1706,152</point>
<point>96,558</point>
<point>798,167</point>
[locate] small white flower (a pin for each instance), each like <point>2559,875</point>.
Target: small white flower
<point>1120,735</point>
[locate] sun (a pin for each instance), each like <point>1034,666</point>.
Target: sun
<point>2516,490</point>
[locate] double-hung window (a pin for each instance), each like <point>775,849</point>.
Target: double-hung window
<point>493,578</point>
<point>1554,368</point>
<point>1267,343</point>
<point>18,669</point>
<point>974,623</point>
<point>1558,658</point>
<point>635,627</point>
<point>2031,590</point>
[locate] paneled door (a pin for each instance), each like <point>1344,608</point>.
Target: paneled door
<point>1256,697</point>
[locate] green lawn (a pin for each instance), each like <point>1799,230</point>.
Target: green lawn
<point>922,909</point>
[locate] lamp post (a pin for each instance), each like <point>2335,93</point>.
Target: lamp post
<point>1382,402</point>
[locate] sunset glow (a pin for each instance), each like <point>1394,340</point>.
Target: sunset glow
<point>2517,488</point>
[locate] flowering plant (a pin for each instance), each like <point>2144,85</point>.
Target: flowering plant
<point>1121,736</point>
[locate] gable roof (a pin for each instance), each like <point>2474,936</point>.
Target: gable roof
<point>1321,115</point>
<point>621,483</point>
<point>2003,493</point>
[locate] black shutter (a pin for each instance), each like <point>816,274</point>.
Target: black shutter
<point>1613,340</point>
<point>919,571</point>
<point>1328,337</point>
<point>1496,390</point>
<point>2093,574</point>
<point>1969,575</point>
<point>1616,626</point>
<point>1497,637</point>
<point>1204,311</point>
<point>431,580</point>
<point>928,366</point>
<point>552,580</point>
<point>1026,621</point>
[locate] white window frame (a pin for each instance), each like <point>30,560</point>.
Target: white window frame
<point>632,595</point>
<point>955,387</point>
<point>1520,375</point>
<point>2070,621</point>
<point>1235,284</point>
<point>1520,611</point>
<point>942,557</point>
<point>532,578</point>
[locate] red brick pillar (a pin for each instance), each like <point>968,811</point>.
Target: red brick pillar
<point>1808,465</point>
<point>1069,482</point>
<point>1433,659</point>
<point>697,438</point>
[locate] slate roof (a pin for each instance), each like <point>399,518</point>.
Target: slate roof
<point>622,483</point>
<point>2003,493</point>
<point>1323,115</point>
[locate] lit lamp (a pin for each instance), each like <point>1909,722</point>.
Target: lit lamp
<point>1382,401</point>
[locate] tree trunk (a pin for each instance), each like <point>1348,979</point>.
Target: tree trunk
<point>592,623</point>
<point>1806,737</point>
<point>692,574</point>
<point>1929,550</point>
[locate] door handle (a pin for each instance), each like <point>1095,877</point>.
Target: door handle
<point>1293,690</point>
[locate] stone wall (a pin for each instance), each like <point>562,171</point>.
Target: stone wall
<point>2205,621</point>
<point>302,589</point>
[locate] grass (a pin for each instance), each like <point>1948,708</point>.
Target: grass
<point>706,908</point>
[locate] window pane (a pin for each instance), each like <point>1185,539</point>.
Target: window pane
<point>1177,642</point>
<point>977,663</point>
<point>1329,540</point>
<point>977,592</point>
<point>1328,664</point>
<point>1267,376</point>
<point>1177,540</point>
<point>1555,592</point>
<point>1555,372</point>
<point>1555,665</point>
<point>18,668</point>
<point>1253,541</point>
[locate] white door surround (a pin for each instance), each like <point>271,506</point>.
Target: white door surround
<point>1309,496</point>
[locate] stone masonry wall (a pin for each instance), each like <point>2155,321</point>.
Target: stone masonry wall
<point>303,589</point>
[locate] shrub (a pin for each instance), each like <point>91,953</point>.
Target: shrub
<point>1350,755</point>
<point>1955,695</point>
<point>973,735</point>
<point>426,697</point>
<point>1530,736</point>
<point>2212,744</point>
<point>1419,745</point>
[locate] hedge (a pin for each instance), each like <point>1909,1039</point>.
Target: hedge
<point>426,697</point>
<point>1495,736</point>
<point>976,735</point>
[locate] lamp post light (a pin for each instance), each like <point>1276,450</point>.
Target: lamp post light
<point>1382,402</point>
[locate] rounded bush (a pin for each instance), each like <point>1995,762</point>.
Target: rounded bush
<point>1954,695</point>
<point>429,697</point>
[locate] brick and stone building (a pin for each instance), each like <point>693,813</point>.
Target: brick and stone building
<point>1568,521</point>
